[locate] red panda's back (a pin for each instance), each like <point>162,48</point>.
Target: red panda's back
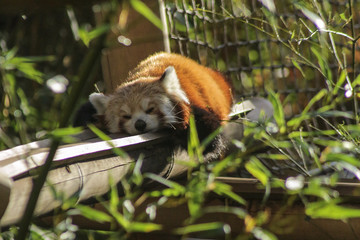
<point>204,87</point>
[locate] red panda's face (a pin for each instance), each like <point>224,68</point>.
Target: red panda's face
<point>140,117</point>
<point>143,105</point>
<point>139,108</point>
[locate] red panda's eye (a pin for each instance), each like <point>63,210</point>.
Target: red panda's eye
<point>127,116</point>
<point>149,110</point>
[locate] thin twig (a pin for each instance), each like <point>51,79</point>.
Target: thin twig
<point>353,58</point>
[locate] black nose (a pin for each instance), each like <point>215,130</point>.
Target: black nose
<point>140,125</point>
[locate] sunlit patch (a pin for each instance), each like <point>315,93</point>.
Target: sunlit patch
<point>282,72</point>
<point>295,183</point>
<point>348,91</point>
<point>272,128</point>
<point>319,23</point>
<point>124,40</point>
<point>57,84</point>
<point>348,145</point>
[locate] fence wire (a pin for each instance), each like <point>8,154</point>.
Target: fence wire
<point>260,51</point>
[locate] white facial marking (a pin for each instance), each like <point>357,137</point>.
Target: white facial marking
<point>167,108</point>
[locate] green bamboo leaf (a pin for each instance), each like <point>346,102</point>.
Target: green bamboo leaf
<point>143,227</point>
<point>258,170</point>
<point>320,95</point>
<point>296,121</point>
<point>229,161</point>
<point>297,65</point>
<point>195,204</point>
<point>313,17</point>
<point>279,114</point>
<point>224,189</point>
<point>144,10</point>
<point>324,67</point>
<point>239,212</point>
<point>11,53</point>
<point>296,134</point>
<point>98,31</point>
<point>340,82</point>
<point>210,137</point>
<point>66,134</point>
<point>274,156</point>
<point>338,157</point>
<point>263,234</point>
<point>334,113</point>
<point>120,219</point>
<point>87,36</point>
<point>35,234</point>
<point>26,66</point>
<point>114,196</point>
<point>269,4</point>
<point>93,214</point>
<point>195,150</point>
<point>104,137</point>
<point>84,36</point>
<point>99,133</point>
<point>202,227</point>
<point>331,210</point>
<point>356,82</point>
<point>166,182</point>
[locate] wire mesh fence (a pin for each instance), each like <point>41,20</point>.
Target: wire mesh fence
<point>294,49</point>
<point>261,50</point>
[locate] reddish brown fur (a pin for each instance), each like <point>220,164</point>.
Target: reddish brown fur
<point>205,88</point>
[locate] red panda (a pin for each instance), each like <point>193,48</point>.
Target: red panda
<point>162,92</point>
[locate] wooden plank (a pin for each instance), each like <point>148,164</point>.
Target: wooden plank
<point>88,168</point>
<point>21,161</point>
<point>81,180</point>
<point>6,184</point>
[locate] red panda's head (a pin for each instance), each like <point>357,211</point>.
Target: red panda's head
<point>143,105</point>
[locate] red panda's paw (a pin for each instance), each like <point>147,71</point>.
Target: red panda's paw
<point>206,122</point>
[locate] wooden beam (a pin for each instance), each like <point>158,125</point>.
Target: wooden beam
<point>22,159</point>
<point>80,170</point>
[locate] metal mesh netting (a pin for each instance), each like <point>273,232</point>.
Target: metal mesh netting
<point>260,51</point>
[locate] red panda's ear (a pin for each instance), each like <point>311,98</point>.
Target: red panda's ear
<point>99,101</point>
<point>171,84</point>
